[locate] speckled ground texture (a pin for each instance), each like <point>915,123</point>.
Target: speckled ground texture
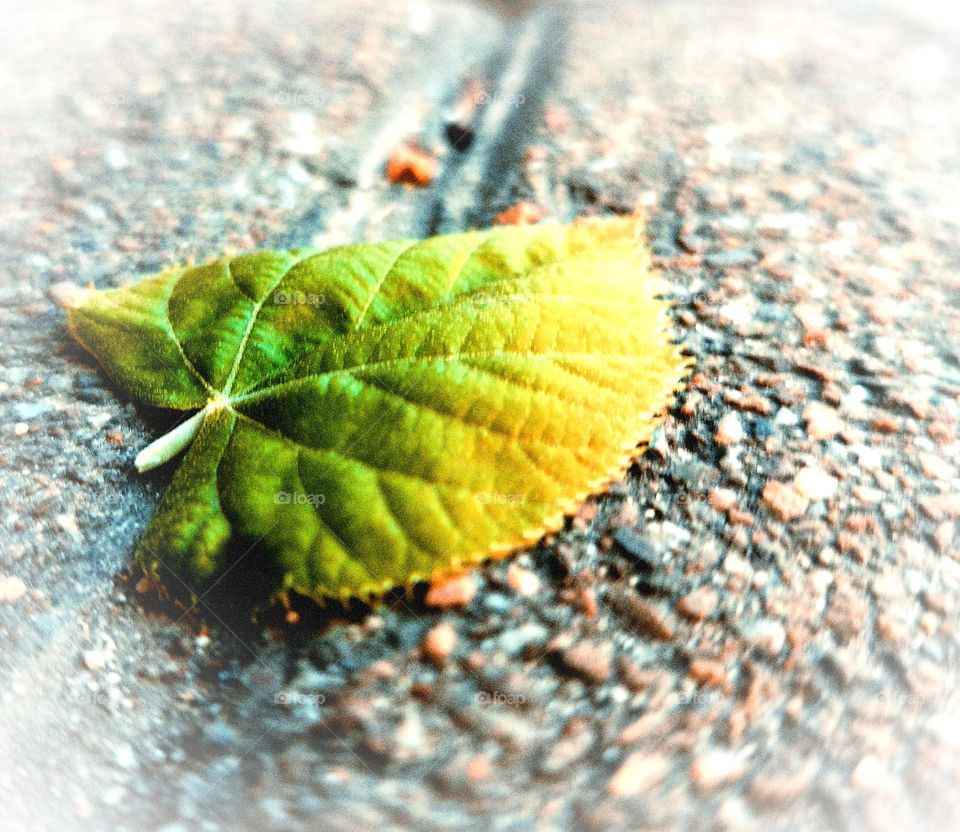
<point>755,630</point>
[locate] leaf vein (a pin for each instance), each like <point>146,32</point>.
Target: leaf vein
<point>392,362</point>
<point>383,279</point>
<point>437,310</point>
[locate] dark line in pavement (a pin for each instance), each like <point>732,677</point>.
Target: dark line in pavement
<point>478,184</point>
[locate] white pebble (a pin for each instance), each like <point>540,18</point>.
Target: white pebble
<point>94,660</point>
<point>729,431</point>
<point>815,484</point>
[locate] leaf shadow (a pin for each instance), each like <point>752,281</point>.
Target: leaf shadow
<point>238,603</point>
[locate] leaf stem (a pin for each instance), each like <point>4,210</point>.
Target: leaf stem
<point>172,443</point>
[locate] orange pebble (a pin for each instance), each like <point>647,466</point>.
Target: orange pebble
<point>523,213</point>
<point>411,166</point>
<point>455,591</point>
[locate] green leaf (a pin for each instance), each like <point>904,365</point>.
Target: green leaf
<point>378,414</point>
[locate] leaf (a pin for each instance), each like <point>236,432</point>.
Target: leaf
<point>379,414</point>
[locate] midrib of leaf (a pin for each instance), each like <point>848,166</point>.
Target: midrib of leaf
<point>479,298</point>
<point>265,392</point>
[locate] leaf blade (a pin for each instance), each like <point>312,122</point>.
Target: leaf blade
<point>437,402</point>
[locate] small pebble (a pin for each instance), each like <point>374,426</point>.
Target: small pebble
<point>940,506</point>
<point>587,600</point>
<point>731,258</point>
<point>647,619</point>
<point>868,495</point>
<point>94,660</point>
<point>767,635</point>
<point>439,642</point>
<point>729,431</point>
<point>522,581</point>
<point>823,422</point>
<point>786,417</point>
<point>708,672</point>
<point>412,166</point>
<point>637,547</point>
<point>734,564</point>
<point>814,483</point>
<point>780,788</point>
<point>12,588</point>
<point>893,627</point>
<point>68,523</point>
<point>943,536</point>
<point>721,499</point>
<point>716,768</point>
<point>455,591</point>
<point>784,500</point>
<point>936,467</point>
<point>639,773</point>
<point>589,660</point>
<point>479,768</point>
<point>698,604</point>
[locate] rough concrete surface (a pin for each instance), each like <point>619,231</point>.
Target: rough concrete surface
<point>756,629</point>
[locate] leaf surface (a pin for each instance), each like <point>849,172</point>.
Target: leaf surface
<point>377,414</point>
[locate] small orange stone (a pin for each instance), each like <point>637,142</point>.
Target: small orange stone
<point>455,591</point>
<point>823,422</point>
<point>698,604</point>
<point>523,213</point>
<point>588,602</point>
<point>721,499</point>
<point>784,501</point>
<point>479,768</point>
<point>736,517</point>
<point>708,672</point>
<point>439,642</point>
<point>411,166</point>
<point>885,423</point>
